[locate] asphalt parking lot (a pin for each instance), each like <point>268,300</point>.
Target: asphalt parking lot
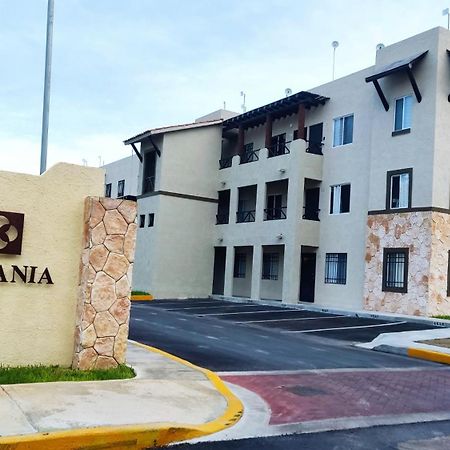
<point>288,320</point>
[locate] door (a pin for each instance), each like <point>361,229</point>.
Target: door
<point>312,204</point>
<point>219,270</point>
<point>278,144</point>
<point>307,277</point>
<point>315,138</point>
<point>274,208</point>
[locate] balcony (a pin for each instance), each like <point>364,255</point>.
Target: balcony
<point>222,218</point>
<point>148,185</point>
<point>225,162</point>
<point>249,156</point>
<point>280,148</point>
<point>311,214</point>
<point>315,148</point>
<point>275,213</point>
<point>245,216</point>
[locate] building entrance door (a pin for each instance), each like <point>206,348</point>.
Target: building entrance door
<point>307,277</point>
<point>219,270</point>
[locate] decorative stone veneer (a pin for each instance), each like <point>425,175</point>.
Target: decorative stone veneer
<point>427,235</point>
<point>103,313</point>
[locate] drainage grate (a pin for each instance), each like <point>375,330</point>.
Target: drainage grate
<point>305,391</point>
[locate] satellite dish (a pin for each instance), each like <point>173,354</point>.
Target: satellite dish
<point>380,46</point>
<point>335,44</point>
<point>288,92</point>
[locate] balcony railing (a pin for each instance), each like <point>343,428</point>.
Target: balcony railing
<point>222,218</point>
<point>225,162</point>
<point>279,149</point>
<point>149,184</point>
<point>310,213</point>
<point>275,213</point>
<point>249,156</point>
<point>314,147</point>
<point>245,216</point>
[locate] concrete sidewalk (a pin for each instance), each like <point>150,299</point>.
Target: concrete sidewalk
<point>169,400</point>
<point>409,343</point>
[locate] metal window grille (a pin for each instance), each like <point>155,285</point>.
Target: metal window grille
<point>270,266</point>
<point>239,265</point>
<point>336,268</point>
<point>395,270</point>
<point>120,188</point>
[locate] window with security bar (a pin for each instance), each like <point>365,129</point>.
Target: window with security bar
<point>336,268</point>
<point>395,270</point>
<point>239,265</point>
<point>270,266</point>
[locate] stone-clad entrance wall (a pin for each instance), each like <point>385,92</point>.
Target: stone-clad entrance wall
<point>427,235</point>
<point>103,307</point>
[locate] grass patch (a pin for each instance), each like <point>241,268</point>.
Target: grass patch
<point>442,317</point>
<point>139,293</point>
<point>46,374</point>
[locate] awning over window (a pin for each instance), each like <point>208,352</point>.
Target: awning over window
<point>404,65</point>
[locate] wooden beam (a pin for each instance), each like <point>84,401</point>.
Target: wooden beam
<point>241,137</point>
<point>414,84</point>
<point>381,95</point>
<point>138,154</point>
<point>301,121</point>
<point>268,140</point>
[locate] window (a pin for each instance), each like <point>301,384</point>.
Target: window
<point>142,221</point>
<point>108,190</point>
<point>395,269</point>
<point>248,147</point>
<point>340,199</point>
<point>336,268</point>
<point>343,130</point>
<point>402,115</point>
<point>399,189</point>
<point>151,219</point>
<point>275,209</point>
<point>239,265</point>
<point>120,188</point>
<point>270,266</point>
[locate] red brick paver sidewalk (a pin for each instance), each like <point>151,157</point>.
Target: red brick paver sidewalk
<point>327,395</point>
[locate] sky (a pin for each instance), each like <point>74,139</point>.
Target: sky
<point>123,66</point>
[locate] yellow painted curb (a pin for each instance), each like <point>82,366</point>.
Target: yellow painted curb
<point>132,436</point>
<point>429,355</point>
<point>141,298</point>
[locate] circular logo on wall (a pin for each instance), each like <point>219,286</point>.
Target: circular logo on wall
<point>11,232</point>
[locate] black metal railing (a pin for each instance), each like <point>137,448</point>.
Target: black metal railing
<point>279,149</point>
<point>275,213</point>
<point>310,213</point>
<point>222,218</point>
<point>314,147</point>
<point>249,156</point>
<point>149,184</point>
<point>245,216</point>
<point>225,162</point>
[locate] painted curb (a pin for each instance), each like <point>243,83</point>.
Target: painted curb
<point>412,352</point>
<point>133,436</point>
<point>141,298</point>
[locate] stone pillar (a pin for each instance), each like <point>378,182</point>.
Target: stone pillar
<point>291,273</point>
<point>229,272</point>
<point>103,308</point>
<point>256,272</point>
<point>268,140</point>
<point>301,121</point>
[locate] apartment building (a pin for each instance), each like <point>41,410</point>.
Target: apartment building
<point>339,195</point>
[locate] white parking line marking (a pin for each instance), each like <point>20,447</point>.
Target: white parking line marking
<point>211,307</point>
<point>213,337</point>
<point>346,328</point>
<point>284,320</point>
<point>264,352</point>
<point>182,318</point>
<point>137,320</point>
<point>248,312</point>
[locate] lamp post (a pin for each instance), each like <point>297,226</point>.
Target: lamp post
<point>47,79</point>
<point>446,12</point>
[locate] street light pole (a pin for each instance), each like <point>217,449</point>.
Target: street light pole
<point>47,80</point>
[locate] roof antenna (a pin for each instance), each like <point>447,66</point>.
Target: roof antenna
<point>288,92</point>
<point>446,12</point>
<point>244,108</point>
<point>224,104</point>
<point>335,45</point>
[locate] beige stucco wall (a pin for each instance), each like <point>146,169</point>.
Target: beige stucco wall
<point>37,321</point>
